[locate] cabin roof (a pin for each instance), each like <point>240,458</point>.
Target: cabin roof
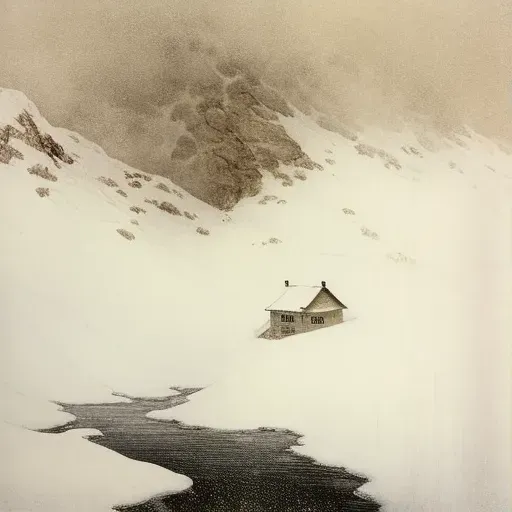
<point>297,298</point>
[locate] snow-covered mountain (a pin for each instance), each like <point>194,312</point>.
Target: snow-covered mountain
<point>119,281</point>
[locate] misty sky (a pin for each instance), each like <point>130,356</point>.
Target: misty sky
<point>92,64</point>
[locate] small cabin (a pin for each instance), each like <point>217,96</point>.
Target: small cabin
<point>302,309</point>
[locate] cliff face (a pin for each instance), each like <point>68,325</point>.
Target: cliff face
<point>232,133</point>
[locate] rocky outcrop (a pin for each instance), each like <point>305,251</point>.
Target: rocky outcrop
<point>232,134</point>
<point>224,133</point>
<point>33,137</point>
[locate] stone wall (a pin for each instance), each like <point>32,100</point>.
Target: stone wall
<point>302,322</point>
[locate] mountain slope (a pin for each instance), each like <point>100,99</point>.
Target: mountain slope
<point>410,230</point>
<point>404,393</point>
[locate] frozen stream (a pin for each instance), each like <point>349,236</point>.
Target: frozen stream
<point>250,471</point>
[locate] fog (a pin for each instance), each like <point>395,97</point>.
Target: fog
<point>107,68</point>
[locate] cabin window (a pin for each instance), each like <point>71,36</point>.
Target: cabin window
<point>287,329</point>
<point>287,318</point>
<point>317,319</point>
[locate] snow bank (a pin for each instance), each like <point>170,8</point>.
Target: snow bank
<point>62,472</point>
<point>27,411</point>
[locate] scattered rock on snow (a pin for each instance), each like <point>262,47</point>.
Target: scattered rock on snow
<point>126,234</point>
<point>43,192</point>
<point>107,181</point>
<point>202,231</point>
<point>164,187</point>
<point>137,175</point>
<point>272,240</point>
<point>191,216</point>
<point>348,211</point>
<point>169,208</point>
<point>369,233</point>
<point>42,172</point>
<point>388,159</point>
<point>398,257</point>
<point>411,150</point>
<point>266,199</point>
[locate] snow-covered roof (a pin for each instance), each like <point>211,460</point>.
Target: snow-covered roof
<point>297,298</point>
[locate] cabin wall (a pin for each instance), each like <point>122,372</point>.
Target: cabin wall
<point>313,321</point>
<point>281,326</point>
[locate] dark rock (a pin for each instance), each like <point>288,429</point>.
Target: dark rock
<point>164,187</point>
<point>388,159</point>
<point>126,234</point>
<point>7,153</point>
<point>369,233</point>
<point>41,141</point>
<point>169,208</point>
<point>42,172</point>
<point>231,136</point>
<point>107,181</point>
<point>43,192</point>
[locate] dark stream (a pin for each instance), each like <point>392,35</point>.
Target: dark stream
<point>249,471</point>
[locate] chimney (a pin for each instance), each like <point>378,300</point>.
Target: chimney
<point>287,283</point>
<point>323,284</point>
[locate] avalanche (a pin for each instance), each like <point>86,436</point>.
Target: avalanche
<point>412,391</point>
